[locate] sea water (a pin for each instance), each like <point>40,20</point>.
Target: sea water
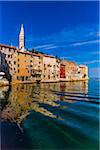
<point>50,116</point>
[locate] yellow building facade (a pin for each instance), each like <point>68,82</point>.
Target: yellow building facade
<point>23,66</point>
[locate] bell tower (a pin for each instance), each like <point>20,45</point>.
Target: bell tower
<point>21,38</point>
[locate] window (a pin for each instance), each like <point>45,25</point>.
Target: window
<point>58,66</point>
<point>18,70</point>
<point>18,59</point>
<point>44,76</point>
<point>26,77</point>
<point>18,77</point>
<point>84,76</point>
<point>14,62</point>
<point>22,78</point>
<point>49,65</point>
<point>48,76</point>
<point>18,65</point>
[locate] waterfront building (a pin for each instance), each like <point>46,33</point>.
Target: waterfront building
<point>83,72</point>
<point>8,61</point>
<point>62,71</point>
<point>36,66</point>
<point>23,66</point>
<point>29,65</point>
<point>50,69</point>
<point>20,65</point>
<point>68,70</point>
<point>58,68</point>
<point>71,70</point>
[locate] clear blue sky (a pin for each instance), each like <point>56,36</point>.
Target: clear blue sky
<point>69,30</point>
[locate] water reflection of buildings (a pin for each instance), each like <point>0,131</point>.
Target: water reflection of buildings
<point>3,96</point>
<point>26,97</point>
<point>3,91</point>
<point>75,89</point>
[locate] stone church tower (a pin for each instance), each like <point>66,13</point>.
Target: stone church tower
<point>21,38</point>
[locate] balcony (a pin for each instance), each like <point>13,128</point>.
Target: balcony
<point>36,72</point>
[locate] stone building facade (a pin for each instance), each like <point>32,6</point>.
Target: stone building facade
<point>83,72</point>
<point>8,56</point>
<point>51,68</point>
<point>36,66</point>
<point>24,66</point>
<point>71,70</point>
<point>21,65</point>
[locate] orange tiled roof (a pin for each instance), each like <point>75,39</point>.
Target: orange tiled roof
<point>71,62</point>
<point>24,52</point>
<point>8,46</point>
<point>27,52</point>
<point>30,53</point>
<point>82,66</point>
<point>39,54</point>
<point>35,54</point>
<point>48,56</point>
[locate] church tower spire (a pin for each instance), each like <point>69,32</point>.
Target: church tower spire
<point>21,38</point>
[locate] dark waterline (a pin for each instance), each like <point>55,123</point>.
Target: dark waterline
<point>50,116</point>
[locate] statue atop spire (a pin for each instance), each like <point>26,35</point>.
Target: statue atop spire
<point>21,38</point>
